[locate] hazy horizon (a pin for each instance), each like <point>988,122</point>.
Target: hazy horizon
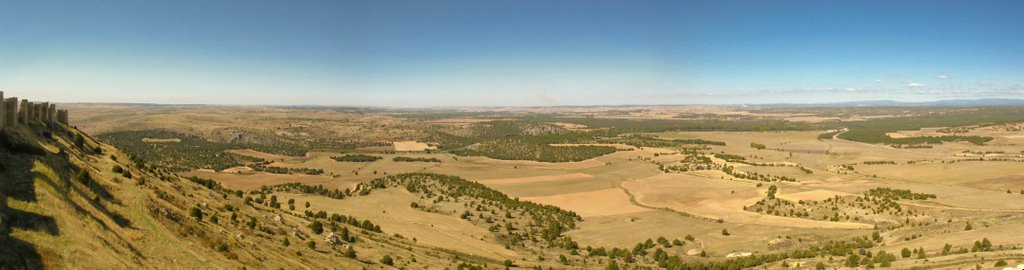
<point>523,53</point>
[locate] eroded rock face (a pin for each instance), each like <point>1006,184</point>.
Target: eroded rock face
<point>167,213</point>
<point>333,238</point>
<point>278,218</point>
<point>298,234</point>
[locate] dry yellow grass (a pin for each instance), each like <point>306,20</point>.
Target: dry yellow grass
<point>811,195</point>
<point>972,190</point>
<point>390,209</point>
<point>152,140</point>
<point>536,179</point>
<point>716,199</point>
<point>604,202</point>
<point>940,173</point>
<point>255,180</point>
<point>410,146</point>
<point>262,155</point>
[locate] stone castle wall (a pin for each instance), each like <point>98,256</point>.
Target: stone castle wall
<point>13,112</point>
<point>10,112</point>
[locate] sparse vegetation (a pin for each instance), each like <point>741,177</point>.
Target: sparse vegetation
<point>416,159</point>
<point>356,158</point>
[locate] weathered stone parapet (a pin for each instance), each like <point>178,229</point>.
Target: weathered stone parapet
<point>24,112</point>
<point>62,116</point>
<point>42,112</point>
<point>51,114</point>
<point>33,112</point>
<point>12,114</point>
<point>10,111</point>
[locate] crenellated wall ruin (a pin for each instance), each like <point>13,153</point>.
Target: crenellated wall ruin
<point>10,112</point>
<point>13,112</point>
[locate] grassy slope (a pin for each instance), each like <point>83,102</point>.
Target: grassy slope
<point>113,222</point>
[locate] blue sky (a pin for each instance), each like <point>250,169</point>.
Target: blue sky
<point>487,53</point>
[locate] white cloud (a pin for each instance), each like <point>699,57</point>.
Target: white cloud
<point>878,81</point>
<point>943,77</point>
<point>915,85</point>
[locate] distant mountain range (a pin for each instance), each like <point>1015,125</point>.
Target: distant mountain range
<point>892,103</point>
<point>861,103</point>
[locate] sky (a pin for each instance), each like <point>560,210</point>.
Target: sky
<point>510,53</point>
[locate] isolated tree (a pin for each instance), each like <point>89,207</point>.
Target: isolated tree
<point>612,265</point>
<point>79,140</point>
<point>905,252</point>
<point>853,260</point>
<point>196,214</point>
<point>771,192</point>
<point>386,260</point>
<point>349,252</point>
<point>725,232</point>
<point>317,227</point>
<point>344,234</point>
<point>84,177</point>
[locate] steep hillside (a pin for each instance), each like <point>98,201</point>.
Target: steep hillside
<point>73,202</point>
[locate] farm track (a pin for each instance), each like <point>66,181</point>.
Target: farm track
<point>632,200</point>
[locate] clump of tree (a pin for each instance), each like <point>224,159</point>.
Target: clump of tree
<point>730,170</point>
<point>639,140</point>
<point>547,223</point>
<point>874,130</point>
<point>182,152</point>
<point>356,158</point>
<point>856,247</point>
<point>523,148</point>
<point>415,159</point>
<point>308,189</point>
<point>264,167</point>
<point>897,194</point>
<point>729,157</point>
